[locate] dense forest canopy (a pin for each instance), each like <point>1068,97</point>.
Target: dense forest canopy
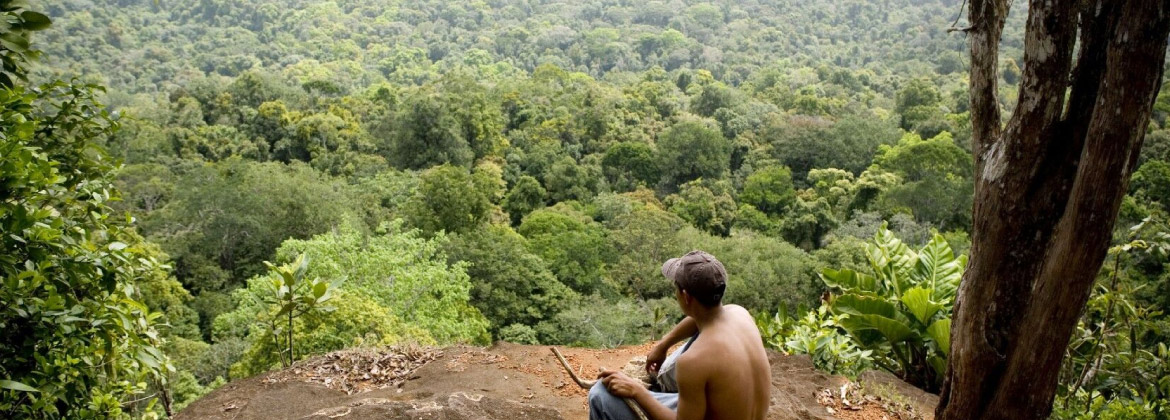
<point>463,172</point>
<point>156,46</point>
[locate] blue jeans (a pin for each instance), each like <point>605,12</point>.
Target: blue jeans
<point>605,406</point>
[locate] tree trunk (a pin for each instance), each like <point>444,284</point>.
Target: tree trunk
<point>1048,185</point>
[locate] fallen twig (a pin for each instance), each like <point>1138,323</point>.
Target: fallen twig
<point>589,384</point>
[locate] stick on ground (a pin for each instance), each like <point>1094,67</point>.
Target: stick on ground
<point>589,384</point>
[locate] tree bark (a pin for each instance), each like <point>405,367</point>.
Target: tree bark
<point>1048,186</point>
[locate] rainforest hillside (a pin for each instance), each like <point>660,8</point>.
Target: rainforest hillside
<point>442,172</point>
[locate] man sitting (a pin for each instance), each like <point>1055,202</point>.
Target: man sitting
<point>722,373</point>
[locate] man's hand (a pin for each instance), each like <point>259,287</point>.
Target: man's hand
<point>619,384</point>
<point>655,358</point>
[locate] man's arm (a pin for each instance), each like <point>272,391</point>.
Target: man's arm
<point>692,394</point>
<point>683,330</point>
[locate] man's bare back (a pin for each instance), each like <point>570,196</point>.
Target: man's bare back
<point>729,362</point>
<point>723,374</point>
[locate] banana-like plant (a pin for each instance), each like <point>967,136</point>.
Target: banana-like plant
<point>901,309</point>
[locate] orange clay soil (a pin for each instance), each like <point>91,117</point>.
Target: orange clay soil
<point>505,381</point>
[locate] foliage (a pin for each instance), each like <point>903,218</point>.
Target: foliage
<point>769,190</point>
<point>703,208</point>
<point>642,238</point>
<point>292,296</point>
<point>426,133</point>
<point>509,285</point>
<point>15,49</point>
<point>80,342</point>
<point>597,322</point>
<point>572,245</point>
<point>803,143</point>
<point>628,165</point>
<point>524,197</point>
<point>1152,182</point>
<point>519,334</point>
<point>402,272</point>
<point>936,184</point>
<point>227,218</point>
<point>692,150</point>
<point>568,180</point>
<point>1117,359</point>
<point>901,309</point>
<point>763,272</point>
<point>818,334</point>
<point>449,198</point>
<point>355,321</point>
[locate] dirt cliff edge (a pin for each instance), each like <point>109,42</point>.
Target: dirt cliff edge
<point>512,382</point>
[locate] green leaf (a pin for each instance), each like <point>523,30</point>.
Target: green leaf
<point>890,259</point>
<point>34,21</point>
<point>848,280</point>
<point>893,330</point>
<point>288,307</point>
<point>117,246</point>
<point>16,386</point>
<point>938,269</point>
<point>14,41</point>
<point>319,289</point>
<point>940,332</point>
<point>917,300</point>
<point>939,364</point>
<point>863,305</point>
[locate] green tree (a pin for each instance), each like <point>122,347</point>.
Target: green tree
<point>572,244</point>
<point>936,180</point>
<point>769,190</point>
<point>951,62</point>
<point>478,117</point>
<point>524,197</point>
<point>805,143</point>
<point>764,272</point>
<point>448,199</point>
<point>703,208</point>
<point>568,180</point>
<point>917,102</point>
<point>691,150</point>
<point>712,98</point>
<point>510,285</point>
<point>79,341</point>
<point>807,223</point>
<point>229,217</point>
<point>627,165</point>
<point>642,238</point>
<point>425,133</point>
<point>916,93</point>
<point>397,286</point>
<point>1011,72</point>
<point>1152,182</point>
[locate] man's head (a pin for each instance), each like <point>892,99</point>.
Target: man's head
<point>698,274</point>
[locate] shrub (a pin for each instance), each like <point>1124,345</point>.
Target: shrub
<point>902,308</point>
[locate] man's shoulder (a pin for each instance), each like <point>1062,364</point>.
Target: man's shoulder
<point>739,314</point>
<point>699,355</point>
<point>738,310</point>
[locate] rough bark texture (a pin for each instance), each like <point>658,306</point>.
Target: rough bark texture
<point>1048,185</point>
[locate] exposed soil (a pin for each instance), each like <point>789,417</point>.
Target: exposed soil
<point>506,381</point>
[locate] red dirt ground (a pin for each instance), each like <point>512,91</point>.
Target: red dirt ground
<point>505,381</point>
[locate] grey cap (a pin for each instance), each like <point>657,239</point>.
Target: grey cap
<point>699,274</point>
